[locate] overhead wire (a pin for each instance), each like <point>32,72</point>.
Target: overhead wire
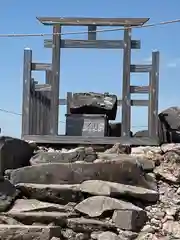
<point>20,114</point>
<point>19,35</point>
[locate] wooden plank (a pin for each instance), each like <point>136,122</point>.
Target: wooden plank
<point>140,68</point>
<point>26,101</point>
<point>81,21</point>
<point>139,89</point>
<point>43,87</point>
<point>153,97</point>
<point>142,103</point>
<point>79,140</point>
<point>55,81</point>
<point>48,107</point>
<point>92,32</point>
<point>40,66</point>
<point>126,95</point>
<point>100,44</point>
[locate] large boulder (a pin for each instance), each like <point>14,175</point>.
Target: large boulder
<point>14,153</point>
<point>170,124</point>
<point>94,103</point>
<point>8,194</point>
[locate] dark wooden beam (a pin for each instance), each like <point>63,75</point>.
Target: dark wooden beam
<point>126,94</point>
<point>74,21</point>
<point>92,32</point>
<point>139,89</point>
<point>140,68</point>
<point>40,66</point>
<point>100,44</point>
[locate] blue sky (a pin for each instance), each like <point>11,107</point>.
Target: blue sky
<point>77,73</point>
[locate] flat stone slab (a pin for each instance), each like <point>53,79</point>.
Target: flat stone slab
<point>59,218</point>
<point>105,188</point>
<point>14,232</point>
<point>61,194</point>
<point>125,171</point>
<point>31,205</point>
<point>97,205</point>
<point>89,225</point>
<point>143,161</point>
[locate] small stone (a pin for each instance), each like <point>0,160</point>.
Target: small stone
<point>108,236</point>
<point>147,229</point>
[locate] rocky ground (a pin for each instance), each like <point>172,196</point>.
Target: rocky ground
<point>81,194</point>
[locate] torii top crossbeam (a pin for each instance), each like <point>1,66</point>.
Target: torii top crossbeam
<point>67,21</point>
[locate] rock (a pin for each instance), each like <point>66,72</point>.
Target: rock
<point>98,187</point>
<point>170,147</point>
<point>14,153</point>
<point>142,133</point>
<point>58,218</point>
<point>94,103</point>
<point>14,232</point>
<point>32,205</point>
<point>129,219</point>
<point>8,193</point>
<point>170,168</point>
<point>88,225</point>
<point>73,155</point>
<point>125,171</point>
<point>69,234</point>
<point>108,236</point>
<point>97,205</point>
<point>119,149</point>
<point>61,194</point>
<point>147,236</point>
<point>172,228</point>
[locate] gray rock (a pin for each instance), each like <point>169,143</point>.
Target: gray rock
<point>88,225</point>
<point>125,171</point>
<point>98,187</point>
<point>58,218</point>
<point>73,155</point>
<point>108,236</point>
<point>14,153</point>
<point>97,205</point>
<point>132,220</point>
<point>61,194</point>
<point>14,232</point>
<point>8,193</point>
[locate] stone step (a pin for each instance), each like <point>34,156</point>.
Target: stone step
<point>28,232</point>
<point>126,172</point>
<point>64,193</point>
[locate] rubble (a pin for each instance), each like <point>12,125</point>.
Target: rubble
<point>81,194</point>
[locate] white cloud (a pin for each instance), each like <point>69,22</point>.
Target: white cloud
<point>148,60</point>
<point>174,63</point>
